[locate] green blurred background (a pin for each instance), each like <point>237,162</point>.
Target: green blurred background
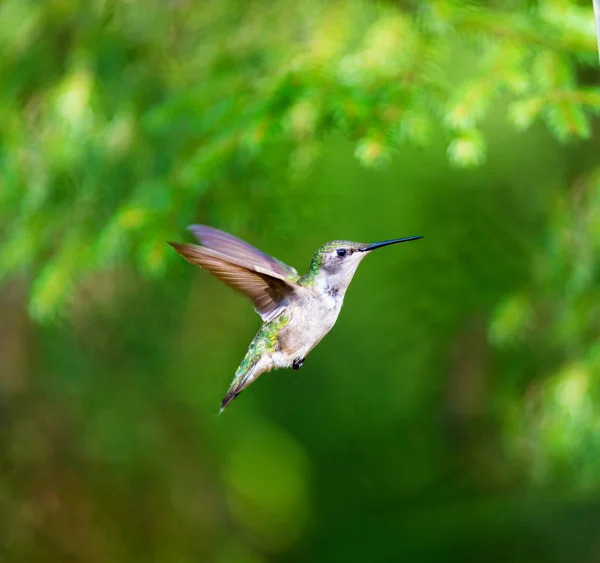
<point>451,415</point>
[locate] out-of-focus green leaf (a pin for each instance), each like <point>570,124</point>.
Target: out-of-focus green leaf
<point>467,148</point>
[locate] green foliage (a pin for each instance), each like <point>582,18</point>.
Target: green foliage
<point>133,111</point>
<point>555,436</point>
<point>510,321</point>
<point>453,409</point>
<point>554,432</point>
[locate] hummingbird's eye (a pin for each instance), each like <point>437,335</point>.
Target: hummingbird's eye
<point>341,252</point>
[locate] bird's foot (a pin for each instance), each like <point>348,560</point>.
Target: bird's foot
<point>297,363</point>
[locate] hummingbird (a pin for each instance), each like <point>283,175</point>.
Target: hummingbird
<point>297,311</point>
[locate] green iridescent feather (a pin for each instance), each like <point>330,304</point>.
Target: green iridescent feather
<point>265,341</point>
<point>308,279</point>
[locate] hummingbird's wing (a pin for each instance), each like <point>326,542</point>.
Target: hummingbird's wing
<point>269,290</point>
<point>232,246</point>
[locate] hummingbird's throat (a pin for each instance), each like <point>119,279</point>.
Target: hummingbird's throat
<point>332,291</point>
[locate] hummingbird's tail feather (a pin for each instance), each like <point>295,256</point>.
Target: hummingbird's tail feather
<point>238,385</point>
<point>250,368</point>
<point>231,394</point>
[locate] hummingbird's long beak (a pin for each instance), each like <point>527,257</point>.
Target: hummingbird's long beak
<point>386,243</point>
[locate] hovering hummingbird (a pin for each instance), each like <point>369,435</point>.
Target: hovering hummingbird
<point>297,311</point>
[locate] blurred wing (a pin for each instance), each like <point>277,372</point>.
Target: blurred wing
<point>269,290</point>
<point>232,246</point>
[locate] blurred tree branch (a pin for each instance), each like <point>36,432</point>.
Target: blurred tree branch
<point>121,127</point>
<point>596,5</point>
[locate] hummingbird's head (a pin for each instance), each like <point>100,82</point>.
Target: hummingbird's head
<point>335,263</point>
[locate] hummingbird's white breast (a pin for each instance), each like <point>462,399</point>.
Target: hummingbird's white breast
<point>311,318</point>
